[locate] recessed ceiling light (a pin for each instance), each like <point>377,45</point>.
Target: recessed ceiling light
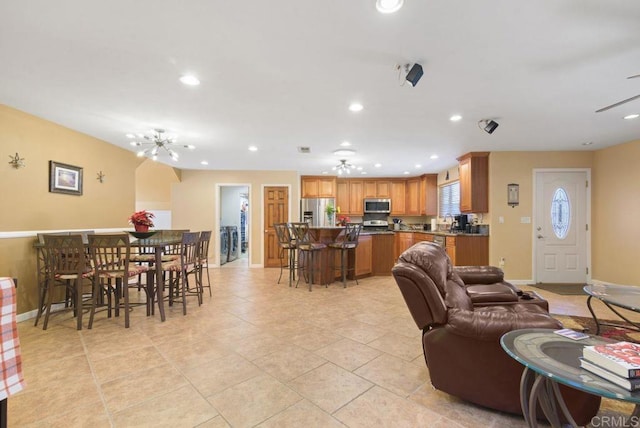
<point>388,6</point>
<point>378,165</point>
<point>455,118</point>
<point>325,172</point>
<point>406,173</point>
<point>253,149</point>
<point>359,168</point>
<point>190,80</point>
<point>204,163</point>
<point>130,136</point>
<point>344,152</point>
<point>433,157</point>
<point>364,173</point>
<point>631,116</point>
<point>355,107</point>
<point>345,144</point>
<point>588,143</point>
<point>418,166</point>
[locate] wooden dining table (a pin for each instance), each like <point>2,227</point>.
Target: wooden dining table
<point>158,243</point>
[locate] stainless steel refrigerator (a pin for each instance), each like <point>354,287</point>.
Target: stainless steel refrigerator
<point>314,211</point>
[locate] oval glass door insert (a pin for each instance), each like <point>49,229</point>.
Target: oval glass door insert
<point>560,213</point>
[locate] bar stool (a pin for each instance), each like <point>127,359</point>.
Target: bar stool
<point>203,259</point>
<point>307,249</point>
<point>348,240</point>
<point>288,250</point>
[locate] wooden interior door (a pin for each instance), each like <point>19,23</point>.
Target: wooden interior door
<point>276,210</point>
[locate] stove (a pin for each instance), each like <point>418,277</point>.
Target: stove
<point>375,225</point>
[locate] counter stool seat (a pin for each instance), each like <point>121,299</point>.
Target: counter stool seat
<point>308,250</point>
<point>347,240</point>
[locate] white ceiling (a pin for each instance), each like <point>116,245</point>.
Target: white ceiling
<point>280,74</point>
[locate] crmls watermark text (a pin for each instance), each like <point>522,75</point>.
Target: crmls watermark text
<point>615,421</point>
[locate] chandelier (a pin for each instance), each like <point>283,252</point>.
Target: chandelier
<point>343,167</point>
<point>157,144</point>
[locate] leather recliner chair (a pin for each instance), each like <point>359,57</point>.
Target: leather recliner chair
<point>461,341</point>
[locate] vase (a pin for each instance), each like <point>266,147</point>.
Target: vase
<point>141,227</point>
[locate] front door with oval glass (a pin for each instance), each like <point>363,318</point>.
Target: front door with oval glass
<point>561,232</point>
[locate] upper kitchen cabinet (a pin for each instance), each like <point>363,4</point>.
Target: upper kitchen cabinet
<point>428,194</point>
<point>412,202</point>
<point>318,187</point>
<point>474,182</point>
<point>356,197</point>
<point>379,188</point>
<point>398,197</point>
<point>349,196</point>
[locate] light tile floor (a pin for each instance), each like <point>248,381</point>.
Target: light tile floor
<point>256,353</point>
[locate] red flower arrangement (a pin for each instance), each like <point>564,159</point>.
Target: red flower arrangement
<point>343,220</point>
<point>141,218</point>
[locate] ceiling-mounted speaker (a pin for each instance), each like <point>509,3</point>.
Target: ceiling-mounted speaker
<point>414,75</point>
<point>490,126</point>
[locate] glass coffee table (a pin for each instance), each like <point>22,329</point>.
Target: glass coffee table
<point>614,296</point>
<point>550,359</point>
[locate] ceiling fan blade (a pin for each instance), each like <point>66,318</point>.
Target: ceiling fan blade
<point>617,104</point>
<point>634,76</point>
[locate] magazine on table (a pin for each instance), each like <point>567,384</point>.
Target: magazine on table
<point>571,334</point>
<point>621,358</point>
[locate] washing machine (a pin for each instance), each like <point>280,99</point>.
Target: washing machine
<point>224,245</point>
<point>234,243</point>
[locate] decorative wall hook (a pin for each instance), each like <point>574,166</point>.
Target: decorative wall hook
<point>101,176</point>
<point>16,161</point>
<point>513,195</point>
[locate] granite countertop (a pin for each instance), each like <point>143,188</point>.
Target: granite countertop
<point>426,232</point>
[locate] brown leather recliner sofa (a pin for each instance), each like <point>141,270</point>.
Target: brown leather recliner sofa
<point>461,340</point>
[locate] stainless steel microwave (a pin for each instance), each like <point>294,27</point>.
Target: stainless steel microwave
<point>377,206</point>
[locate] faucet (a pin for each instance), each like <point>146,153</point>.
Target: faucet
<point>452,220</point>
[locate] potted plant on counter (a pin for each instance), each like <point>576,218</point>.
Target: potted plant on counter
<point>331,211</point>
<point>141,220</point>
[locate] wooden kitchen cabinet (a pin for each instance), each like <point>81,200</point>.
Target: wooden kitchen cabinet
<point>356,197</point>
<point>318,186</point>
<point>428,201</point>
<point>343,196</point>
<point>468,250</point>
<point>474,182</point>
<point>361,257</point>
<point>383,253</point>
<point>450,248</point>
<point>383,189</point>
<point>398,197</point>
<point>370,188</point>
<point>413,199</point>
<point>404,240</point>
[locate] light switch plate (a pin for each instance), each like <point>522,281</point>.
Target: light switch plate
<point>501,219</point>
<point>525,220</point>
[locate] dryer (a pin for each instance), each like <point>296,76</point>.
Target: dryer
<point>224,245</point>
<point>234,243</point>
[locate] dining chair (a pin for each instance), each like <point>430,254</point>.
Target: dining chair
<point>288,249</point>
<point>346,241</point>
<point>66,266</point>
<point>203,259</point>
<point>180,269</point>
<point>308,249</point>
<point>110,255</point>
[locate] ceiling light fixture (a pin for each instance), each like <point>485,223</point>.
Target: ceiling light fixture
<point>455,118</point>
<point>355,107</point>
<point>157,144</point>
<point>378,165</point>
<point>433,157</point>
<point>631,116</point>
<point>204,163</point>
<point>343,167</point>
<point>190,80</point>
<point>253,149</point>
<point>345,144</point>
<point>388,6</point>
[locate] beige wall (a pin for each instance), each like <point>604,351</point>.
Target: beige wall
<point>616,203</point>
<point>29,206</point>
<point>193,201</point>
<point>512,239</point>
<point>153,185</point>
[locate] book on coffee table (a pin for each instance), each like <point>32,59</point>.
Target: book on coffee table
<point>621,358</point>
<point>628,384</point>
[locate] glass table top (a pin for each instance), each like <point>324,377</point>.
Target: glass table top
<point>624,296</point>
<point>557,357</point>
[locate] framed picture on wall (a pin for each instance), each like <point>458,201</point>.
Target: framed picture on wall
<point>65,178</point>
